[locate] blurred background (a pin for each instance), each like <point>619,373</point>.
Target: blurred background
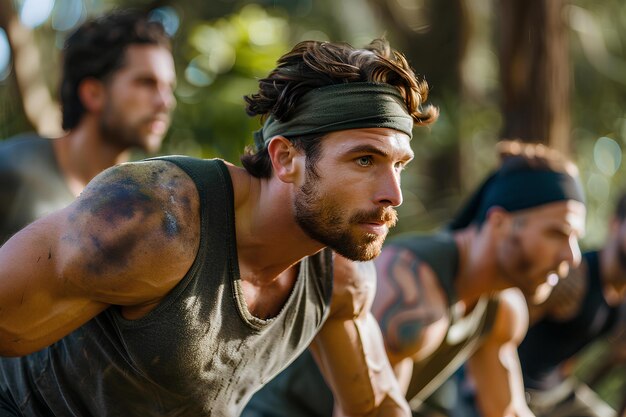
<point>551,71</point>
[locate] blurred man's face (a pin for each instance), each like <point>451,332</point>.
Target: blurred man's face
<point>140,99</point>
<point>540,242</point>
<point>349,207</point>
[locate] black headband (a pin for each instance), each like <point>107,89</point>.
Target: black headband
<point>515,191</point>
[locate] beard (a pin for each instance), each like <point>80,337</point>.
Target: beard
<point>324,220</point>
<point>520,267</point>
<point>122,133</point>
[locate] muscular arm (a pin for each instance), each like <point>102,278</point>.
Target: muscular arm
<point>127,240</point>
<point>349,348</point>
<point>495,365</point>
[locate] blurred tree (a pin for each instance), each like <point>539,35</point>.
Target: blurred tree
<point>41,110</point>
<point>433,35</point>
<point>535,72</point>
<point>222,47</point>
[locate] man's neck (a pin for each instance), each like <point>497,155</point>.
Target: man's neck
<point>478,273</point>
<point>270,244</point>
<point>269,240</point>
<point>83,154</point>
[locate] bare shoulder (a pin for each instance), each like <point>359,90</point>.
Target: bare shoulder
<point>404,282</point>
<point>354,286</point>
<point>136,226</point>
<point>347,273</point>
<point>512,317</point>
<point>410,304</point>
<point>131,193</point>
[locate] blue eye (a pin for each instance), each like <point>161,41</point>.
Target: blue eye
<point>364,161</point>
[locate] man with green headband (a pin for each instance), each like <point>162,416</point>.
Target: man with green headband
<point>178,286</point>
<point>458,295</point>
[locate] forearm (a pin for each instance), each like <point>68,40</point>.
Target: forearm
<point>389,407</point>
<point>363,381</point>
<point>517,410</point>
<point>350,349</point>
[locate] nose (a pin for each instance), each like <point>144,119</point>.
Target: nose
<point>572,252</point>
<point>390,193</point>
<point>165,97</point>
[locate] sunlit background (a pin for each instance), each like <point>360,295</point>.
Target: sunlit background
<point>223,46</point>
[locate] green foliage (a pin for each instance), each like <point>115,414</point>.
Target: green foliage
<point>223,47</point>
<point>224,59</point>
<point>599,106</point>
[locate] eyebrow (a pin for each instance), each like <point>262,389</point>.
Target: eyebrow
<point>365,148</point>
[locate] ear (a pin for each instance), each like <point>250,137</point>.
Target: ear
<point>498,218</point>
<point>285,159</point>
<point>91,93</point>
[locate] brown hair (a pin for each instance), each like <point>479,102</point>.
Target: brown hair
<point>517,155</point>
<point>97,49</point>
<point>313,64</point>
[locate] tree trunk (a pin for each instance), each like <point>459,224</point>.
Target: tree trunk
<point>40,109</point>
<point>432,35</point>
<point>535,75</point>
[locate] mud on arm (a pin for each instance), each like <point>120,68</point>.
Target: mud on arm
<point>127,240</point>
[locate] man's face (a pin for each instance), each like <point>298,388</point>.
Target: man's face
<point>139,99</point>
<point>540,242</point>
<point>349,207</point>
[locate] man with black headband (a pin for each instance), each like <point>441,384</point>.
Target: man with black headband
<point>587,306</point>
<point>448,298</point>
<point>463,292</point>
<point>179,286</point>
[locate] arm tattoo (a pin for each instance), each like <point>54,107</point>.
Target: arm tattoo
<point>405,313</point>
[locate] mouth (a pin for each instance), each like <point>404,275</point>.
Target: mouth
<point>377,222</point>
<point>158,126</point>
<point>377,228</point>
<point>158,123</point>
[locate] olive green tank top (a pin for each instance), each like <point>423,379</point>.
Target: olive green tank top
<point>198,353</point>
<point>300,390</point>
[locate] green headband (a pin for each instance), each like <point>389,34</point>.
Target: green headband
<point>339,107</point>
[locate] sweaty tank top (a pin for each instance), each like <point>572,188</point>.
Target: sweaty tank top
<point>300,390</point>
<point>198,353</point>
<point>549,342</point>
